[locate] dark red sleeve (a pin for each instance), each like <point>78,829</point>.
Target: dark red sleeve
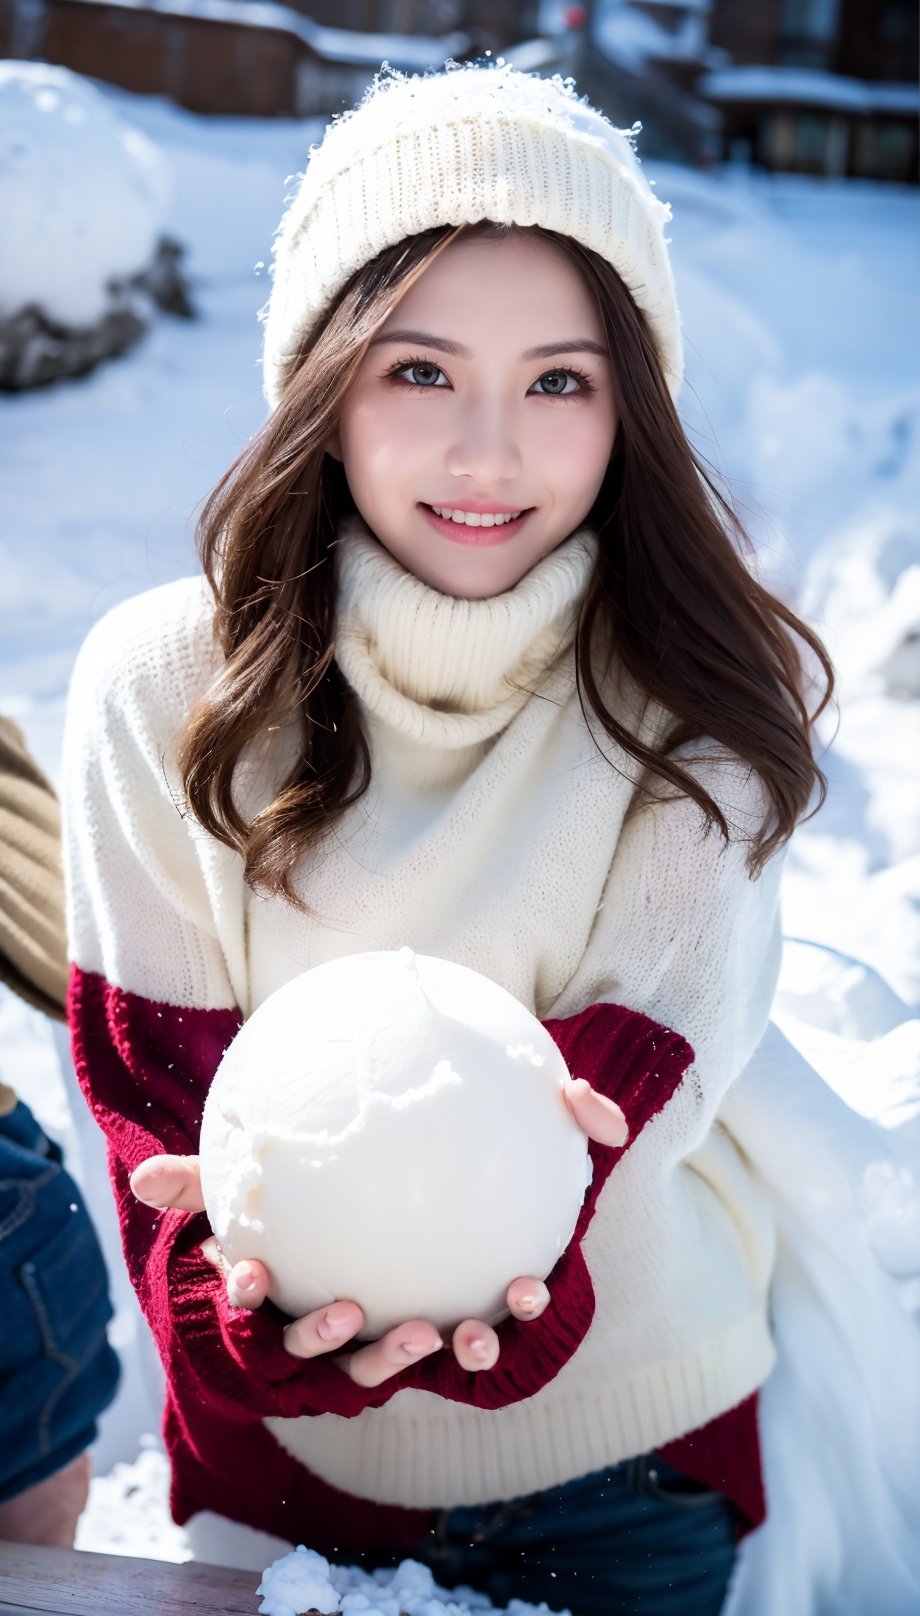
<point>145,1069</point>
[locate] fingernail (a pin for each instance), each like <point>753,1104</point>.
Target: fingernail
<point>478,1347</point>
<point>413,1350</point>
<point>333,1325</point>
<point>532,1301</point>
<point>244,1279</point>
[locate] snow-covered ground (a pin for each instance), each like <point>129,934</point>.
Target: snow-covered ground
<point>800,311</point>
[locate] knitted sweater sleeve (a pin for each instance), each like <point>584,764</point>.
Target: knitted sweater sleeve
<point>155,912</point>
<point>685,936</point>
<point>667,1005</point>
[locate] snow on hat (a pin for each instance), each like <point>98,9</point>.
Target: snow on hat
<point>460,146</point>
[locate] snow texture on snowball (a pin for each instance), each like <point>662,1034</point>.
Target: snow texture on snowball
<point>305,1581</point>
<point>376,1082</point>
<point>82,195</point>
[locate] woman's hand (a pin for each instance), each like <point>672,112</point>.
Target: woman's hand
<point>601,1119</point>
<point>175,1181</point>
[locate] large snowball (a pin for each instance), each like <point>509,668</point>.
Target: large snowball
<point>390,1128</point>
<point>82,194</point>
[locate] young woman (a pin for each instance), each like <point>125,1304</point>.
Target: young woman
<point>477,666</point>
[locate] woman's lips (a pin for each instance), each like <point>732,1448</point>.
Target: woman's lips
<point>462,533</point>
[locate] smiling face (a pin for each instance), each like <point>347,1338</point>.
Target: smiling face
<point>481,423</point>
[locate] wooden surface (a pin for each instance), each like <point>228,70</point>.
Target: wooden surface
<point>69,1582</point>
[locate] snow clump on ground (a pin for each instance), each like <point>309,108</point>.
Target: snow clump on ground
<point>305,1581</point>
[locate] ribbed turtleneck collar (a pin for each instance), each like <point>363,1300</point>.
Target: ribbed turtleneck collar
<point>445,671</point>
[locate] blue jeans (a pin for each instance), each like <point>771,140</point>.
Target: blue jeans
<point>638,1539</point>
<point>57,1370</point>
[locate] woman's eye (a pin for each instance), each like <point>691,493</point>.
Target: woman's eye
<point>555,383</point>
<point>418,373</point>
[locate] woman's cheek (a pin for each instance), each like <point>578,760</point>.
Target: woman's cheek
<point>574,455</point>
<point>417,429</point>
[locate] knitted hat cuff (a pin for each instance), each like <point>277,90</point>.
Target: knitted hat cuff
<point>517,169</point>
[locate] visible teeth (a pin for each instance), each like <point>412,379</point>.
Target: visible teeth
<point>473,519</point>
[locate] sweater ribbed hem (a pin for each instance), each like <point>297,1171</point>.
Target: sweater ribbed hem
<point>461,1456</point>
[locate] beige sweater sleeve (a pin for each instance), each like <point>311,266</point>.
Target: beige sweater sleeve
<point>684,935</point>
<point>33,951</point>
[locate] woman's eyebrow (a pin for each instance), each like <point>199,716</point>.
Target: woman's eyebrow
<point>547,350</point>
<point>579,345</point>
<point>424,340</point>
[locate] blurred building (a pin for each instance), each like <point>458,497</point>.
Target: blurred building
<point>641,61</point>
<point>500,22</point>
<point>826,87</point>
<point>256,59</point>
<point>819,86</point>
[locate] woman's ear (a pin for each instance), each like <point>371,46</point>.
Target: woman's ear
<point>333,445</point>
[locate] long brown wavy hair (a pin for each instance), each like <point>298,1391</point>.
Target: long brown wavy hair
<point>672,590</point>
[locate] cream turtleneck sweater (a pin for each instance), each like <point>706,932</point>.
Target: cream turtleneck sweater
<point>494,833</point>
<point>449,673</point>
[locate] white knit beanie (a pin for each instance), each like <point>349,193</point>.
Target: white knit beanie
<point>455,147</point>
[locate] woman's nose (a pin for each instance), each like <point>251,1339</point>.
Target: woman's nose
<point>485,449</point>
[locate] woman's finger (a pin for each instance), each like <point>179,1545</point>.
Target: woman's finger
<point>210,1250</point>
<point>323,1330</point>
<point>527,1298</point>
<point>476,1346</point>
<point>169,1181</point>
<point>247,1284</point>
<point>400,1347</point>
<point>600,1118</point>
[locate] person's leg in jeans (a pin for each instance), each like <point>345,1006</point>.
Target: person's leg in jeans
<point>57,1369</point>
<point>635,1540</point>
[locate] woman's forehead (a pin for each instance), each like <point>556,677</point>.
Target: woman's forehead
<point>514,284</point>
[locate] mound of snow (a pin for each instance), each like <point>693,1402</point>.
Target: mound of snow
<point>82,195</point>
<point>304,1581</point>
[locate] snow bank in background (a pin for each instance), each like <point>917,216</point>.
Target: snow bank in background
<point>82,194</point>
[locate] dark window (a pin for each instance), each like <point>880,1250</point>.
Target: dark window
<point>808,32</point>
